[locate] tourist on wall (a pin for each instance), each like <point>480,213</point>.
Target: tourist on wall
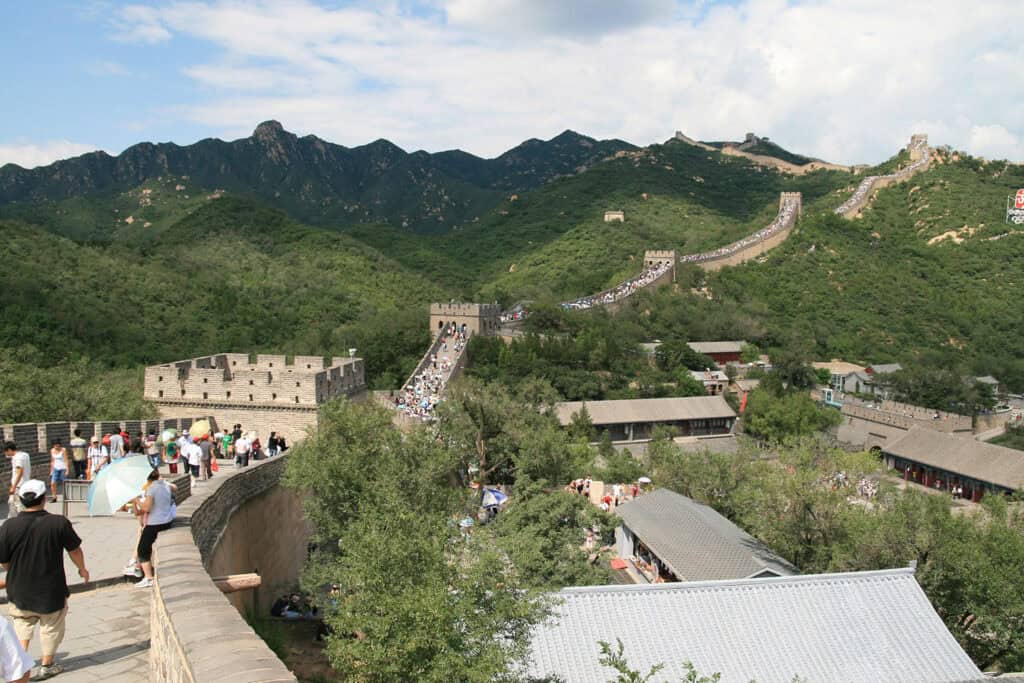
<point>193,455</point>
<point>206,457</point>
<point>58,466</point>
<point>79,455</point>
<point>21,471</point>
<point>272,447</point>
<point>242,447</point>
<point>158,505</point>
<point>32,547</point>
<point>256,449</point>
<point>99,456</point>
<point>116,446</point>
<point>171,455</point>
<point>152,450</point>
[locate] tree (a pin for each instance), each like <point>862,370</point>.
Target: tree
<point>616,659</point>
<point>418,603</point>
<point>416,600</point>
<point>776,419</point>
<point>581,427</point>
<point>543,532</point>
<point>473,420</point>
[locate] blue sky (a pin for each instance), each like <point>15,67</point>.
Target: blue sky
<point>845,80</point>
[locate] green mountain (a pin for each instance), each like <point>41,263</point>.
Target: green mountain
<point>199,258</point>
<point>230,275</point>
<point>313,180</point>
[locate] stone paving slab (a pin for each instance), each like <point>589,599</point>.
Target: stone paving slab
<point>106,637</point>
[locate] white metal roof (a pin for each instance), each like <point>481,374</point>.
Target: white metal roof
<point>836,628</point>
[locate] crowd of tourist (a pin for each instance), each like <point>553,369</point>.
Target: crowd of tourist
<point>623,290</point>
<point>424,389</point>
<point>783,221</point>
<point>865,185</point>
<point>613,496</point>
<point>514,315</point>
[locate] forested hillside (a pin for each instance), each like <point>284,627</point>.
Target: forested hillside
<point>170,268</point>
<point>231,275</point>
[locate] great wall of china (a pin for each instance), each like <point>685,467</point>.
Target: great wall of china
<point>920,157</point>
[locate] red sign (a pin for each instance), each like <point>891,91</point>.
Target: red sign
<point>1018,202</point>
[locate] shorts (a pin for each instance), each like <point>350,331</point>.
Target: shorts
<point>58,476</point>
<point>51,626</point>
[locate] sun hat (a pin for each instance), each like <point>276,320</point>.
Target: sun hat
<point>31,491</point>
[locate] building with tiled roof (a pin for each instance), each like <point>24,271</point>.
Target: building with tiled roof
<point>857,627</point>
<point>938,459</point>
<point>683,540</point>
<point>635,419</point>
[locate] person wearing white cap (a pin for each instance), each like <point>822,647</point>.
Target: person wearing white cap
<point>32,547</point>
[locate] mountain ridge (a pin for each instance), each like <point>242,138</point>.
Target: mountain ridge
<point>321,182</point>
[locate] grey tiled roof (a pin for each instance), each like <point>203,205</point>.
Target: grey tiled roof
<point>694,541</point>
<point>962,455</point>
<point>827,628</point>
<point>624,411</point>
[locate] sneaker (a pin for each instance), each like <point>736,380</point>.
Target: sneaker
<point>145,583</point>
<point>130,569</point>
<point>41,673</point>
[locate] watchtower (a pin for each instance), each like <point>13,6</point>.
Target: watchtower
<point>655,257</point>
<point>918,145</point>
<point>482,319</point>
<point>797,197</point>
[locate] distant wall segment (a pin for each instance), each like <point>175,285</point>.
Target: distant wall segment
<point>920,159</point>
<point>196,634</point>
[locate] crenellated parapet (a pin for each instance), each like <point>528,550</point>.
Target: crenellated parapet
<point>478,318</point>
<point>264,392</point>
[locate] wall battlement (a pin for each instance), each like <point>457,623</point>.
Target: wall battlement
<point>482,319</point>
<point>264,392</point>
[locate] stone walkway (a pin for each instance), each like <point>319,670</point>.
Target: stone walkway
<point>106,637</point>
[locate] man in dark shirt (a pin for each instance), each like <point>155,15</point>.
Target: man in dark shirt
<point>32,549</point>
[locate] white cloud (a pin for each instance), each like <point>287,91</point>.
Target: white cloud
<point>845,80</point>
<point>28,155</point>
<point>995,142</point>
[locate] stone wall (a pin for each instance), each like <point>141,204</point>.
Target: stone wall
<point>291,423</point>
<point>268,534</point>
<point>751,252</point>
<point>196,634</point>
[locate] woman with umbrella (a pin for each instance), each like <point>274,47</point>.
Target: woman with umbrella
<point>157,504</point>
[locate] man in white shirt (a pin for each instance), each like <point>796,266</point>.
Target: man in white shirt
<point>193,453</point>
<point>242,447</point>
<point>116,446</point>
<point>21,471</point>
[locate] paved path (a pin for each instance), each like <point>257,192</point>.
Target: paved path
<point>106,637</point>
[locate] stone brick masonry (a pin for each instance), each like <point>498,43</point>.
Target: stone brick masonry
<point>263,393</point>
<point>196,635</point>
